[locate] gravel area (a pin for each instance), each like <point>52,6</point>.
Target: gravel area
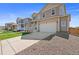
<point>55,46</point>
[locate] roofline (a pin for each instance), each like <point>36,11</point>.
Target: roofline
<point>41,9</point>
<point>50,3</point>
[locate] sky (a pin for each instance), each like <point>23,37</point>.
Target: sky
<point>10,11</point>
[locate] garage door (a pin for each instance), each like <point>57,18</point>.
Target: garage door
<point>48,27</point>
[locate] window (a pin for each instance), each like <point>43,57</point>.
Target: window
<point>22,25</point>
<point>53,12</point>
<point>35,28</point>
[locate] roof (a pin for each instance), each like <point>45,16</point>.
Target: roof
<point>54,4</point>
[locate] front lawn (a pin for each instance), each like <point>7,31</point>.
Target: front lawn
<point>6,35</point>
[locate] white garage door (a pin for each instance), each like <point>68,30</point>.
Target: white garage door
<point>48,27</point>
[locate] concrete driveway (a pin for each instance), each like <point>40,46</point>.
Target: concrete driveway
<point>15,45</point>
<point>56,46</point>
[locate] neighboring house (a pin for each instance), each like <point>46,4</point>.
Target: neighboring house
<point>10,26</point>
<point>23,24</point>
<point>2,27</point>
<point>51,18</point>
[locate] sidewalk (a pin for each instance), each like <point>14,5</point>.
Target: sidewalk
<point>14,45</point>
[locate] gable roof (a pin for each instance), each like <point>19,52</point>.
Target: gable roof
<point>54,5</point>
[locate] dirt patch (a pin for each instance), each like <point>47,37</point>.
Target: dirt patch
<point>74,31</point>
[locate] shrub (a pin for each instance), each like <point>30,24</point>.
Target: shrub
<point>24,33</point>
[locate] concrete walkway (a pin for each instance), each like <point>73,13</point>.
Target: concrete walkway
<point>14,45</point>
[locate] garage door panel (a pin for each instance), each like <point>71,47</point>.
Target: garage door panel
<point>48,27</point>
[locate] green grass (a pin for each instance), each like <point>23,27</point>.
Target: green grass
<point>6,35</point>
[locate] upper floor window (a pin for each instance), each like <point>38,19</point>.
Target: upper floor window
<point>53,12</point>
<point>22,25</point>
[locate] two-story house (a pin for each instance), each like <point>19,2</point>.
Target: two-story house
<point>52,18</point>
<point>10,26</point>
<point>23,24</point>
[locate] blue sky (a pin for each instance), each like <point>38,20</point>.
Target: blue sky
<point>9,12</point>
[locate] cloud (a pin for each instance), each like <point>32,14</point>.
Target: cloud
<point>5,18</point>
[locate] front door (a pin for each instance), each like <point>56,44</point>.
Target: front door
<point>35,27</point>
<point>63,25</point>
